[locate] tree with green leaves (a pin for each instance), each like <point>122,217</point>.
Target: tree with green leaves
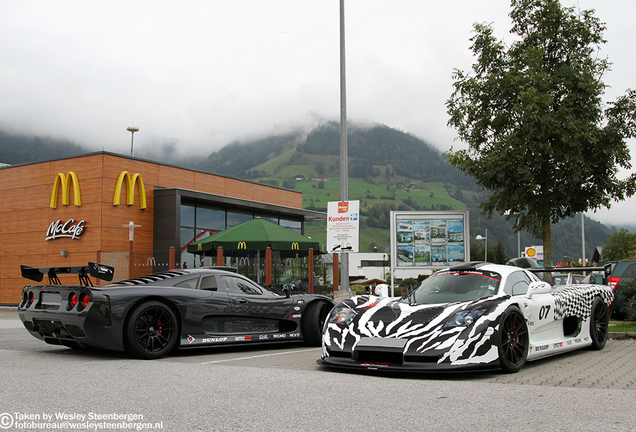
<point>497,254</point>
<point>539,136</point>
<point>620,246</point>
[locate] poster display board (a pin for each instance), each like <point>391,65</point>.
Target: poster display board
<point>343,226</point>
<point>429,239</point>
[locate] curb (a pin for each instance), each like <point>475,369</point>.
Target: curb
<point>621,335</point>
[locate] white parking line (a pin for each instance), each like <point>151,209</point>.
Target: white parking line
<point>259,356</point>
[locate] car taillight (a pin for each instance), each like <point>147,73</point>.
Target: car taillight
<point>85,299</point>
<point>613,281</point>
<point>73,300</point>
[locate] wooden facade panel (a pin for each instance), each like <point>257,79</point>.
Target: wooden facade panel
<point>35,197</point>
<point>25,176</point>
<point>290,200</point>
<point>116,239</point>
<point>86,167</point>
<point>209,183</point>
<point>239,189</point>
<point>176,178</point>
<point>11,290</point>
<point>117,216</point>
<point>114,165</point>
<point>15,221</point>
<point>11,265</point>
<point>35,243</point>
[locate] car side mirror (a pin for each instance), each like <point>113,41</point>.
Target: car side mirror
<point>538,288</point>
<point>286,291</point>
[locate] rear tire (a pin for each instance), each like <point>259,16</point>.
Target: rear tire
<point>513,340</point>
<point>599,324</point>
<point>151,331</point>
<point>313,321</point>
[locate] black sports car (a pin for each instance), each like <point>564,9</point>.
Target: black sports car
<point>148,316</point>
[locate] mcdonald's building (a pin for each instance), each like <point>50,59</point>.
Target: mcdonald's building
<point>134,214</point>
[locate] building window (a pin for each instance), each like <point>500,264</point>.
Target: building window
<point>210,219</point>
<point>292,225</point>
<point>187,215</point>
<point>235,218</point>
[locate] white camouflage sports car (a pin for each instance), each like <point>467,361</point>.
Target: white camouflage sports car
<point>470,316</point>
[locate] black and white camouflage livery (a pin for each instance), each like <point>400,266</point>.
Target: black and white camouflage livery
<point>488,316</point>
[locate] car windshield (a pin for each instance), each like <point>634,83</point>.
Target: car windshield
<point>451,287</point>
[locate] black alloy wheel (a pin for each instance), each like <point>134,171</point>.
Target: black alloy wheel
<point>151,331</point>
<point>513,340</point>
<point>313,321</point>
<point>599,324</point>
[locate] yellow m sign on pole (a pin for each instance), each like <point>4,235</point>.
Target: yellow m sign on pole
<point>65,182</point>
<point>130,189</point>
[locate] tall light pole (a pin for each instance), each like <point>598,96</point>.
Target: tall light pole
<point>344,153</point>
<point>583,258</point>
<point>132,130</point>
<point>485,238</point>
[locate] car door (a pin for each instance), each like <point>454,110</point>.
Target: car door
<point>255,309</point>
<point>538,309</point>
<point>204,315</point>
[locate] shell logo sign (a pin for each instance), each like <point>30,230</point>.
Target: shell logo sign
<point>531,252</point>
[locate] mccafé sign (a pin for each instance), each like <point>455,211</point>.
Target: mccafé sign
<point>68,229</point>
<point>72,229</point>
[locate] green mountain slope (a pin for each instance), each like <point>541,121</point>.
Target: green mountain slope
<point>388,170</point>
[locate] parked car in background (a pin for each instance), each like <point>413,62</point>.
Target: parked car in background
<point>566,278</point>
<point>621,272</point>
<point>594,278</point>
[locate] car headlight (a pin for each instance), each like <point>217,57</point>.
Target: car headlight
<point>342,315</point>
<point>464,318</point>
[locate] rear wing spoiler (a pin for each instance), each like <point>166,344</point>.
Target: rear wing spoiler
<point>99,271</point>
<point>606,269</point>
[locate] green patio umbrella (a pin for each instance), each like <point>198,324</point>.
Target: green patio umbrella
<point>256,235</point>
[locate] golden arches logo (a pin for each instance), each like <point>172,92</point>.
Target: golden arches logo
<point>65,182</point>
<point>130,189</point>
<point>295,246</point>
<point>242,245</point>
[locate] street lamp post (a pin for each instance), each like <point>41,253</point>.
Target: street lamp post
<point>132,130</point>
<point>485,238</point>
<point>344,153</point>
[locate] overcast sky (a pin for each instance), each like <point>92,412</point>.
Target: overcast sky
<point>198,74</point>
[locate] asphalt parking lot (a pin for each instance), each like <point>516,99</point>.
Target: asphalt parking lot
<point>281,387</point>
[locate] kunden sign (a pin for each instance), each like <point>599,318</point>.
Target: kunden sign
<point>68,229</point>
<point>343,227</point>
